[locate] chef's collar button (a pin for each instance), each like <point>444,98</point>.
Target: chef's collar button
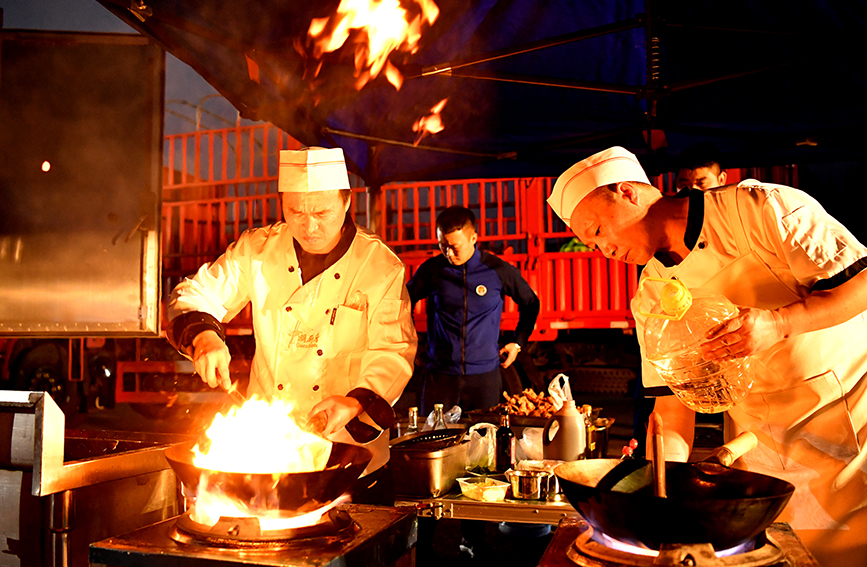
<point>319,352</point>
<point>701,245</point>
<point>316,387</point>
<point>279,386</point>
<point>288,308</point>
<point>291,268</point>
<point>336,276</point>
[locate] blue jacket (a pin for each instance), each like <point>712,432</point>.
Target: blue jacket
<point>464,307</point>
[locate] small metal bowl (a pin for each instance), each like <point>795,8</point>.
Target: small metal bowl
<point>529,485</point>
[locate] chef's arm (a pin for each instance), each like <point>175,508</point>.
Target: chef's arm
<point>200,337</point>
<point>755,330</point>
<point>678,426</point>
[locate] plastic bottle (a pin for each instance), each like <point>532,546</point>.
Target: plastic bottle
<point>675,329</point>
<point>439,420</point>
<point>412,424</point>
<point>505,445</point>
<point>565,435</point>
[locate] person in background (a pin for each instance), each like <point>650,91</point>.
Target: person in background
<point>799,279</point>
<point>465,290</point>
<point>331,314</point>
<point>699,168</point>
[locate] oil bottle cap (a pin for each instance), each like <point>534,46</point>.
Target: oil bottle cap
<point>675,299</point>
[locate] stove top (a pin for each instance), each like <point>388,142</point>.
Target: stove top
<point>573,545</point>
<point>376,535</point>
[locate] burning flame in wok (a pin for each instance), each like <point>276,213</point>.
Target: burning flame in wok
<point>258,438</point>
<point>430,124</point>
<point>261,437</point>
<point>378,27</point>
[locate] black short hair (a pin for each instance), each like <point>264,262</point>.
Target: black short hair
<point>455,218</point>
<point>704,154</point>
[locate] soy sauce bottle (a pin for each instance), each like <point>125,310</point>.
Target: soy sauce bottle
<point>505,445</point>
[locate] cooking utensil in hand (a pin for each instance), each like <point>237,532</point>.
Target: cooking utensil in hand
<point>657,455</point>
<point>237,397</point>
<point>727,454</point>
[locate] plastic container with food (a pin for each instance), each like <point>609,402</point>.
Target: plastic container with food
<point>482,488</point>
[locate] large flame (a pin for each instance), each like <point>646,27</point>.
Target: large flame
<point>382,26</point>
<point>261,437</point>
<point>430,124</point>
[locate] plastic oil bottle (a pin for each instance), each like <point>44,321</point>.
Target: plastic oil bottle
<point>565,435</point>
<point>675,329</point>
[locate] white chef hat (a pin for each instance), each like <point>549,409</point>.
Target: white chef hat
<point>312,169</point>
<point>608,166</point>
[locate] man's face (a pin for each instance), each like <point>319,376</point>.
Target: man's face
<point>702,178</point>
<point>614,226</point>
<point>458,246</point>
<point>314,219</point>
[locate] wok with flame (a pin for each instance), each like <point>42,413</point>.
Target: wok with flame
<point>259,462</point>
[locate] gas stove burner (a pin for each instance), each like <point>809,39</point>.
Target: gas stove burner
<point>245,533</point>
<point>588,548</point>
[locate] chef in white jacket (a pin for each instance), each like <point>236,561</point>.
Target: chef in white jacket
<point>331,314</point>
<point>799,279</point>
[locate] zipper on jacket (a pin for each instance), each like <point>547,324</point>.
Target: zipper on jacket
<point>464,326</point>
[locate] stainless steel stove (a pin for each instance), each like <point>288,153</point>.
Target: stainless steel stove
<point>576,545</point>
<point>356,535</point>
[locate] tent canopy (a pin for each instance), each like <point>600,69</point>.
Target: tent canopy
<point>533,87</point>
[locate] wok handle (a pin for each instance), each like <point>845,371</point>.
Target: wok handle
<point>657,457</point>
<point>727,454</point>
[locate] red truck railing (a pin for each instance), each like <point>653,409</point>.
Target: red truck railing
<point>223,182</point>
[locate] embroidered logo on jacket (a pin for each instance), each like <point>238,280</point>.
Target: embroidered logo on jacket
<point>481,290</point>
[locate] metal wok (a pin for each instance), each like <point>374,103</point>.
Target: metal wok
<point>706,503</point>
<point>292,494</point>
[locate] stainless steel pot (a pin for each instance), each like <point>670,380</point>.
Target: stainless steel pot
<point>529,485</point>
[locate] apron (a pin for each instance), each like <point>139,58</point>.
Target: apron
<point>800,410</point>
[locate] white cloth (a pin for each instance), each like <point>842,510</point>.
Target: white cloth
<point>765,246</point>
<point>305,350</point>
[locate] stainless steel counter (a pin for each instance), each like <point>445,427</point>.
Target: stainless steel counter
<point>456,506</point>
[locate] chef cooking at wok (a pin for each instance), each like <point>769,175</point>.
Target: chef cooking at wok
<point>331,314</point>
<point>798,278</point>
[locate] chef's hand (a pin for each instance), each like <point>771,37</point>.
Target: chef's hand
<point>339,410</point>
<point>211,359</point>
<point>752,331</point>
<point>511,351</point>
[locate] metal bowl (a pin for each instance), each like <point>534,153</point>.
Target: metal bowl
<point>529,485</point>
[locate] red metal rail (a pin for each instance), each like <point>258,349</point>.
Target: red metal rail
<point>227,184</point>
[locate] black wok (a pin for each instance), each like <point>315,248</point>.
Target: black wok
<point>706,503</point>
<point>292,494</point>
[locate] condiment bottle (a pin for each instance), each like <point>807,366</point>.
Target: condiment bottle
<point>505,445</point>
<point>412,424</point>
<point>439,420</point>
<point>565,437</point>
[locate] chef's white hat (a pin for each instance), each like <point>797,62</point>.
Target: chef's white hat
<point>312,169</point>
<point>608,166</point>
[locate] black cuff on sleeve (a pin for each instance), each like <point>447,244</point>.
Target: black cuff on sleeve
<point>184,328</point>
<point>379,410</point>
<point>842,277</point>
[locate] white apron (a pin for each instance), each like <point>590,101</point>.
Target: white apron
<point>798,406</point>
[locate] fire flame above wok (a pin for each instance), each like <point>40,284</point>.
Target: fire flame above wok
<point>258,462</point>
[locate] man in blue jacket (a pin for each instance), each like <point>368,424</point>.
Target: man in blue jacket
<point>465,290</point>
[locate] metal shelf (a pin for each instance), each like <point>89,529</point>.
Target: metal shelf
<point>459,507</point>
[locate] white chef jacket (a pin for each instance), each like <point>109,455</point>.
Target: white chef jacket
<point>349,327</point>
<point>766,246</point>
